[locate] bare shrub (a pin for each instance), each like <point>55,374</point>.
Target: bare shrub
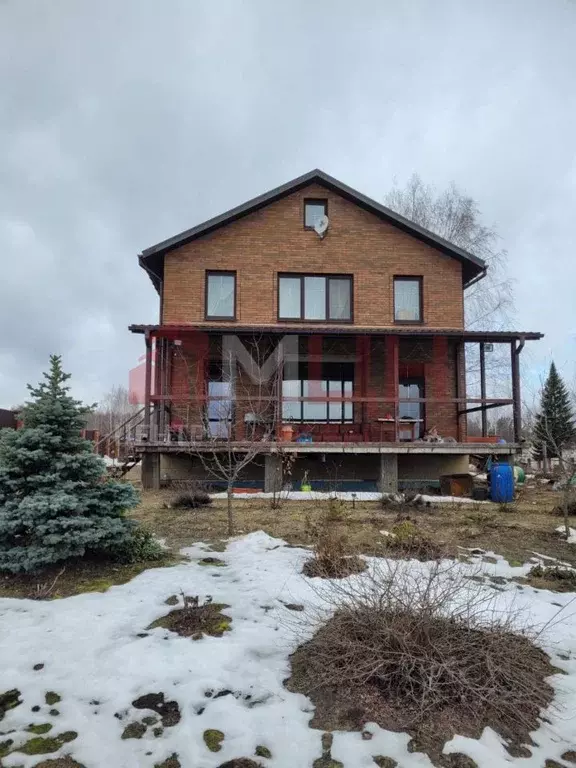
<point>45,590</point>
<point>333,556</point>
<point>191,499</point>
<point>421,649</point>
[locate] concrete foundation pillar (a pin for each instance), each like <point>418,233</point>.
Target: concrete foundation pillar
<point>272,473</point>
<point>388,473</point>
<point>151,471</point>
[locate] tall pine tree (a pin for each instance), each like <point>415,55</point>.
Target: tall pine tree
<point>55,500</point>
<point>554,427</point>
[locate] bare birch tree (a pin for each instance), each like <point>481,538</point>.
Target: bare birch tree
<point>113,409</point>
<point>488,303</point>
<point>456,217</point>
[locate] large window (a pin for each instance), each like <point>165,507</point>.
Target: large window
<point>412,414</point>
<point>220,295</point>
<point>315,298</point>
<point>219,405</point>
<point>337,381</point>
<point>314,210</point>
<point>408,299</point>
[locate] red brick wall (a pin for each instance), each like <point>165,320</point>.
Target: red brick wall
<point>273,240</point>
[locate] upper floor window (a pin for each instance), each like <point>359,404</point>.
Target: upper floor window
<point>313,212</point>
<point>220,295</point>
<point>315,297</point>
<point>408,299</point>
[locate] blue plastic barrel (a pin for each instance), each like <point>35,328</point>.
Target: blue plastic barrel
<point>502,483</point>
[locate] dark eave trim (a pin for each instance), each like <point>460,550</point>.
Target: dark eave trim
<point>348,330</point>
<point>152,259</point>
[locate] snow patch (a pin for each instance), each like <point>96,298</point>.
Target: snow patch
<point>96,661</point>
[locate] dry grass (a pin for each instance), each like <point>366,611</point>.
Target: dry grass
<point>554,578</point>
<point>421,651</point>
<point>526,526</point>
<point>327,530</point>
<point>79,576</point>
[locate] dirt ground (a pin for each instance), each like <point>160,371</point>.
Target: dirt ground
<point>514,531</point>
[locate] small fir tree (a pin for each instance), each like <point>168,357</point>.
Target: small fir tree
<point>554,427</point>
<point>55,500</point>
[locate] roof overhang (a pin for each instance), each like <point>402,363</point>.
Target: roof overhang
<point>152,259</point>
<point>459,334</point>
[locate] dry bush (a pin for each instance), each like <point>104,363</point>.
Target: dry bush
<point>421,649</point>
<point>408,540</point>
<point>193,499</point>
<point>333,556</point>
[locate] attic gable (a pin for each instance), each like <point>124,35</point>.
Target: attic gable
<point>152,259</point>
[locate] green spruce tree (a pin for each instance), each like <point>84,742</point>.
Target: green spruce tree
<point>55,499</point>
<point>554,427</point>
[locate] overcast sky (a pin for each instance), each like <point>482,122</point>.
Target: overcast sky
<point>123,122</point>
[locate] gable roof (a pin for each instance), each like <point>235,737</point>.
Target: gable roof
<point>152,259</point>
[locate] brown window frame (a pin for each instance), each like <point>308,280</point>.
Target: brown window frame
<point>208,274</point>
<point>317,201</point>
<point>413,278</point>
<point>327,319</point>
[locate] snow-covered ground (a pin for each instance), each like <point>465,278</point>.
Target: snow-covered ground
<point>95,660</point>
<point>345,496</point>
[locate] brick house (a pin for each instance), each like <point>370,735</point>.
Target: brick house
<point>360,315</point>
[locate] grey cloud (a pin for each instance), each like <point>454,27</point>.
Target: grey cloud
<point>124,123</point>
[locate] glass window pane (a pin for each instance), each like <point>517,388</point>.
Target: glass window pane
<point>407,300</point>
<point>348,407</point>
<point>313,212</point>
<point>314,411</point>
<point>315,298</point>
<point>289,297</point>
<point>411,411</point>
<point>291,409</point>
<point>220,296</point>
<point>221,409</point>
<point>340,305</point>
<point>335,409</point>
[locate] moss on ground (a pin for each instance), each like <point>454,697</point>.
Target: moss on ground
<point>214,561</point>
<point>195,622</point>
<point>59,762</point>
<point>172,600</point>
<point>39,728</point>
<point>170,762</point>
<point>5,747</point>
<point>81,576</point>
<point>134,731</point>
<point>9,700</point>
<point>41,746</point>
<point>262,751</point>
<point>52,698</point>
<point>384,762</point>
<point>213,739</point>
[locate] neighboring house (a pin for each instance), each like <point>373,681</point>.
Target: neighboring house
<point>370,311</point>
<point>8,419</point>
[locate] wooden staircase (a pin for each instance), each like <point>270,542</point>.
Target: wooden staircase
<point>120,445</point>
